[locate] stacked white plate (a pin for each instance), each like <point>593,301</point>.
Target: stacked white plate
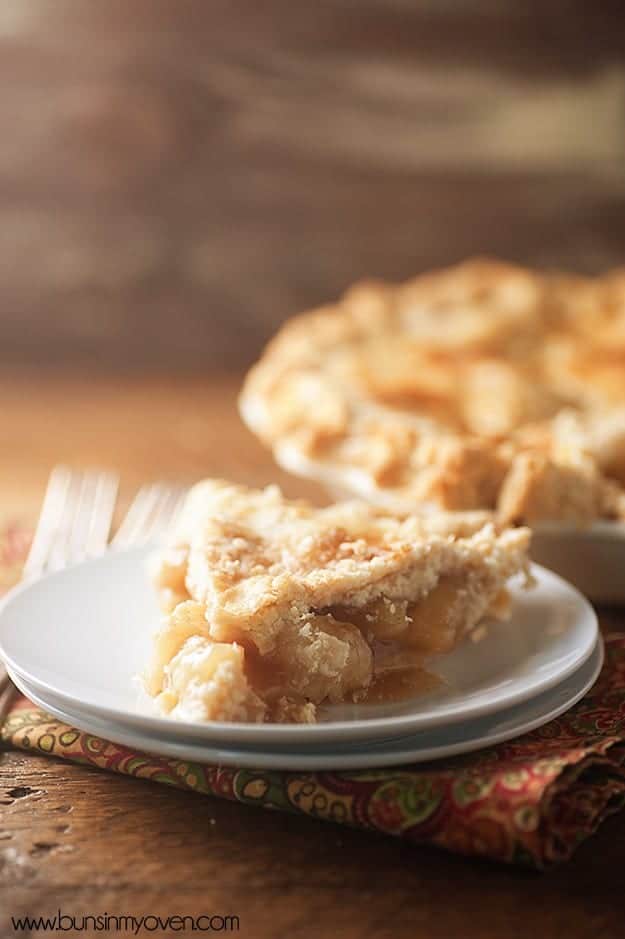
<point>75,641</point>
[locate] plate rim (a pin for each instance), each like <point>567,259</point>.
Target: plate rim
<point>318,762</point>
<point>366,728</point>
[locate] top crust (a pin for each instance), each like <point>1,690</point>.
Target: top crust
<point>430,392</point>
<point>257,561</point>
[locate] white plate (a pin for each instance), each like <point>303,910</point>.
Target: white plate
<point>83,634</point>
<point>427,745</point>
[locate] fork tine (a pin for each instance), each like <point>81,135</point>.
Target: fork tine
<point>151,510</point>
<point>136,516</point>
<point>179,506</point>
<point>102,517</point>
<point>93,515</point>
<point>166,511</point>
<point>67,532</point>
<point>49,519</point>
<point>77,534</point>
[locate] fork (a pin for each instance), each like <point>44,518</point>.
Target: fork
<point>154,509</point>
<point>75,524</point>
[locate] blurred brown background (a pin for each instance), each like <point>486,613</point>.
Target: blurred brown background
<point>177,176</point>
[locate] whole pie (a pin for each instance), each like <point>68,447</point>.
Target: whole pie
<point>275,607</point>
<point>481,387</point>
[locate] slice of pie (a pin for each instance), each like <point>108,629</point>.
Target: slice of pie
<point>275,607</point>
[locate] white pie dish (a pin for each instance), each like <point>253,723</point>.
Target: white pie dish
<point>438,743</point>
<point>83,634</point>
<point>591,557</point>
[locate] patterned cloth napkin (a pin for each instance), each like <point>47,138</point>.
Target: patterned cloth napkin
<point>530,801</point>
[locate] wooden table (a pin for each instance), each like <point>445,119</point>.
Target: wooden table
<point>90,842</point>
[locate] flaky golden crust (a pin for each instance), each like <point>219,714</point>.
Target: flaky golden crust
<point>275,606</point>
<point>431,393</point>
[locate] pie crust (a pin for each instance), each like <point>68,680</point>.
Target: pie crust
<point>274,607</point>
<point>482,387</point>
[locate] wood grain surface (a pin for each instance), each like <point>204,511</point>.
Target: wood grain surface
<point>177,177</point>
<point>89,842</point>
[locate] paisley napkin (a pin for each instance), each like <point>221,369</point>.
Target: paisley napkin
<point>530,801</point>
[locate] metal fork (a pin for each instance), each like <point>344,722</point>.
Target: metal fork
<point>75,524</point>
<point>154,509</point>
<point>75,520</point>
